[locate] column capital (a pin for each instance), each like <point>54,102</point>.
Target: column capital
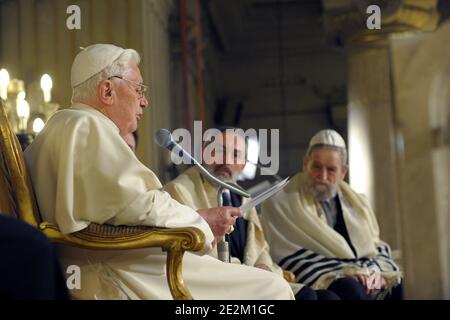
<point>347,19</point>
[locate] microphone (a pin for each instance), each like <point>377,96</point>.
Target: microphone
<point>164,139</point>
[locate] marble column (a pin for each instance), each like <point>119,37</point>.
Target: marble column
<point>377,142</point>
<point>421,74</point>
<point>371,133</point>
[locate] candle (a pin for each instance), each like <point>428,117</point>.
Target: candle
<point>21,95</point>
<point>46,86</point>
<point>4,82</point>
<point>38,125</point>
<point>23,111</point>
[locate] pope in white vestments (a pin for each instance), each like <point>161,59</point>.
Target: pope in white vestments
<point>83,172</point>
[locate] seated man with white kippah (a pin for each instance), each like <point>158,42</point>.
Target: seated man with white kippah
<point>84,172</point>
<point>319,228</point>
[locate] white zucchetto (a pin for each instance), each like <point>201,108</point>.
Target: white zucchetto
<point>92,60</point>
<point>327,137</point>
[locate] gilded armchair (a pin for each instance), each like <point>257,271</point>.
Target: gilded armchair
<point>17,199</point>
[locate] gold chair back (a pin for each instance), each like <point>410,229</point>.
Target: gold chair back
<point>17,199</point>
<point>16,193</point>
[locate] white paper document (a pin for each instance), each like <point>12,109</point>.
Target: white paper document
<point>264,195</point>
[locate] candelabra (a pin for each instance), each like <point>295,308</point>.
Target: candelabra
<point>27,119</point>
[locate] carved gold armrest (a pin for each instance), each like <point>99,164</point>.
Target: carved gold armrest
<point>107,237</point>
<point>289,276</point>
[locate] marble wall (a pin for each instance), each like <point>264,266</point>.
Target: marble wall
<point>372,156</point>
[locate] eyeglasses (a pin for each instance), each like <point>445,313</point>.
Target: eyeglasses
<point>140,91</point>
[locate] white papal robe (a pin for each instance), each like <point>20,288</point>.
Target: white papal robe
<point>83,171</point>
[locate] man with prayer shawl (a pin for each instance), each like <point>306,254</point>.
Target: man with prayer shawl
<point>324,232</point>
<point>226,160</point>
<point>84,172</point>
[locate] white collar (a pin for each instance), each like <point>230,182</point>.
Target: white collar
<point>92,110</point>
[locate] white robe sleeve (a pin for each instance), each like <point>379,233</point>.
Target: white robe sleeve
<point>84,172</point>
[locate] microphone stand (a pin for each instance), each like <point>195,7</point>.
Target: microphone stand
<point>223,247</point>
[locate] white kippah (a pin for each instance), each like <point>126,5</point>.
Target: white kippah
<point>92,60</point>
<point>327,137</point>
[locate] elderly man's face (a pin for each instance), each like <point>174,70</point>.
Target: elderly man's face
<point>325,170</point>
<point>128,107</point>
<point>228,158</point>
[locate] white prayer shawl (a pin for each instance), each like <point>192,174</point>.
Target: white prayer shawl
<point>192,189</point>
<point>82,172</point>
<point>301,240</point>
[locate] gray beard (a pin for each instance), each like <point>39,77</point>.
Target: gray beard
<point>321,195</point>
<point>233,178</point>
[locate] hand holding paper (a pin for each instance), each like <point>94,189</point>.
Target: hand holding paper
<point>264,195</point>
